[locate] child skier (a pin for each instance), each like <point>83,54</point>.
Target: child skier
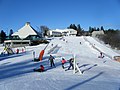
<point>51,58</point>
<point>41,69</point>
<point>101,55</point>
<point>17,51</point>
<point>63,62</point>
<point>71,63</point>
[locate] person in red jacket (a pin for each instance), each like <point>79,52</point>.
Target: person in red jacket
<point>63,62</point>
<point>41,69</point>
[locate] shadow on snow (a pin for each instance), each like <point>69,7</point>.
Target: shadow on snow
<point>12,56</point>
<point>83,82</point>
<point>16,69</point>
<point>23,67</point>
<point>87,68</point>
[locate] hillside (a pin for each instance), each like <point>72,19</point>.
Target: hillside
<point>16,71</point>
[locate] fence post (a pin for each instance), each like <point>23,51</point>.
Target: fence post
<point>74,63</point>
<point>76,66</point>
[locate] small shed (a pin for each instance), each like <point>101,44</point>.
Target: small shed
<point>95,33</point>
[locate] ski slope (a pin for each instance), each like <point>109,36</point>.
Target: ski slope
<point>16,71</point>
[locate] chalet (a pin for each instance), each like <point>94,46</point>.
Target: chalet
<point>24,36</point>
<point>27,32</point>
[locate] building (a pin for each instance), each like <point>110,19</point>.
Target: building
<point>27,32</point>
<point>54,33</point>
<point>95,33</point>
<point>17,43</point>
<point>24,36</point>
<point>64,32</point>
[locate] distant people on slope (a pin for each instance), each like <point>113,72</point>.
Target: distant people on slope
<point>17,51</point>
<point>52,44</point>
<point>23,49</point>
<point>101,55</point>
<point>63,62</point>
<point>41,69</point>
<point>51,59</point>
<point>33,55</point>
<point>4,50</point>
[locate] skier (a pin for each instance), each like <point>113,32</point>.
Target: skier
<point>41,69</point>
<point>22,50</point>
<point>71,63</point>
<point>63,62</point>
<point>101,55</point>
<point>34,55</point>
<point>52,45</point>
<point>80,42</point>
<point>17,51</point>
<point>51,58</point>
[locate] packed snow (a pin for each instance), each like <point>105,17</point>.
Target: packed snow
<point>16,71</point>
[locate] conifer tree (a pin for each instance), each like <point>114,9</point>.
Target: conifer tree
<point>3,36</point>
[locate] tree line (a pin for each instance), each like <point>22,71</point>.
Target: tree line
<point>81,31</point>
<point>111,36</point>
<point>3,35</point>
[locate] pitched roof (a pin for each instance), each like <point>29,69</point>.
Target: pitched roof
<point>25,31</point>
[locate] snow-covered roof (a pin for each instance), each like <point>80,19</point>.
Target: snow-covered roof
<point>25,31</point>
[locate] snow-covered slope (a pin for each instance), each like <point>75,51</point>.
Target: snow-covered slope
<point>16,71</point>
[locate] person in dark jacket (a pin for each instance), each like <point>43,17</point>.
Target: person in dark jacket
<point>71,63</point>
<point>51,58</point>
<point>41,69</point>
<point>17,51</point>
<point>101,55</point>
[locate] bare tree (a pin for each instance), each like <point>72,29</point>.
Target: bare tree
<point>44,30</point>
